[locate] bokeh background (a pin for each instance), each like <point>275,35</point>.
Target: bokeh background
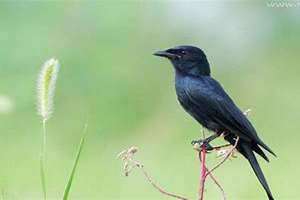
<point>109,78</point>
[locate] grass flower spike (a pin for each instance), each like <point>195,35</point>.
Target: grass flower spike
<point>45,90</point>
<point>46,87</point>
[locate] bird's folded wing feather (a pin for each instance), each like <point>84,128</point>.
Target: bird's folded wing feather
<point>220,108</point>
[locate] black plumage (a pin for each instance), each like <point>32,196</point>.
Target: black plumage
<point>205,99</point>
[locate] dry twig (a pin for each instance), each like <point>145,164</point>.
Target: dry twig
<point>225,157</point>
<point>130,163</point>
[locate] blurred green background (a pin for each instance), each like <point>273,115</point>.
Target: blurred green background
<point>109,77</point>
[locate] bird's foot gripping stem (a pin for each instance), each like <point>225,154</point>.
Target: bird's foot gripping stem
<point>198,144</point>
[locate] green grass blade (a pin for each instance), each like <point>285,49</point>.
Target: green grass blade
<point>69,184</point>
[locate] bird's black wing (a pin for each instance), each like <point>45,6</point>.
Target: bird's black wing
<point>220,108</point>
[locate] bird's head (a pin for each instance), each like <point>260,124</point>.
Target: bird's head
<point>187,59</point>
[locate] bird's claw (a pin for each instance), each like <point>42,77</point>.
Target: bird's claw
<point>198,144</point>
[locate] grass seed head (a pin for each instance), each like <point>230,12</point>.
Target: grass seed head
<point>46,88</point>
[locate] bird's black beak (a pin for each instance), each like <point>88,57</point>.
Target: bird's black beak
<point>165,54</point>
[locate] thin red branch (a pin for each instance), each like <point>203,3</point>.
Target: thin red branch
<point>159,188</point>
<point>218,184</point>
<point>203,172</point>
<point>130,164</point>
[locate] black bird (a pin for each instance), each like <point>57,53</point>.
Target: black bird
<point>204,99</point>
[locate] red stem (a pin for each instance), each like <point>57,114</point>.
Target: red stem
<point>203,172</point>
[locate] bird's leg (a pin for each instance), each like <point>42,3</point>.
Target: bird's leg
<point>206,142</point>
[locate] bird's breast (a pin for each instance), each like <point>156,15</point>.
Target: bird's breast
<point>181,86</point>
<point>197,111</point>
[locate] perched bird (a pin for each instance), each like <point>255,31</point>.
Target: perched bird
<point>205,100</point>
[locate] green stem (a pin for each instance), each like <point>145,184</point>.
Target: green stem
<point>43,161</point>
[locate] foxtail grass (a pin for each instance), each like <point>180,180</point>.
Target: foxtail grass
<point>45,95</point>
<point>75,164</point>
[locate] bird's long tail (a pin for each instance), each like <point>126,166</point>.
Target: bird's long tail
<point>248,153</point>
